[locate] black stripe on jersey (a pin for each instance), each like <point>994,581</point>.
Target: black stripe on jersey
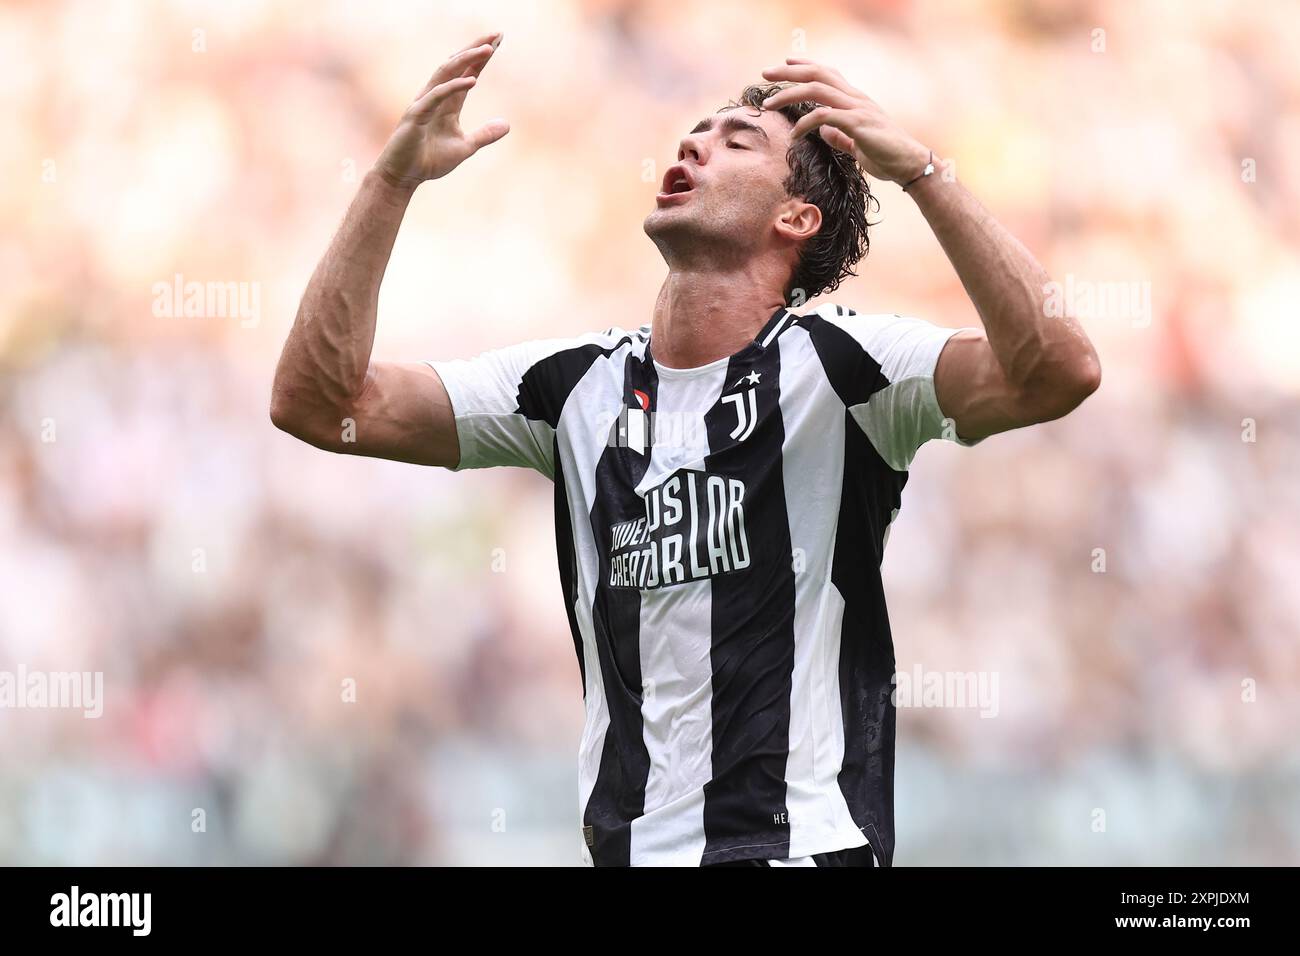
<point>752,649</point>
<point>618,796</point>
<point>855,856</point>
<point>566,557</point>
<point>545,387</point>
<point>543,390</point>
<point>852,372</point>
<point>870,493</point>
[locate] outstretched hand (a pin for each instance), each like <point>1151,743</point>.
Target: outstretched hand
<point>428,142</point>
<point>847,119</point>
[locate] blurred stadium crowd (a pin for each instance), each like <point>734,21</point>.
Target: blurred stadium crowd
<point>1128,573</point>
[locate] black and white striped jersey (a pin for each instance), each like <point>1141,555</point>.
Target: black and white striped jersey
<point>719,532</point>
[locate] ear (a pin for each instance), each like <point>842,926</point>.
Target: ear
<point>798,220</point>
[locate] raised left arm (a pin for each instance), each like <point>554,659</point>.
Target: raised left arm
<point>1026,366</point>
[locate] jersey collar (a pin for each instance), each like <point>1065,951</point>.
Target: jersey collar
<point>772,328</point>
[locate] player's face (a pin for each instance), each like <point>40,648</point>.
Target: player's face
<point>727,183</point>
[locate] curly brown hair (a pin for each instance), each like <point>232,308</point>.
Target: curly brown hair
<point>833,182</point>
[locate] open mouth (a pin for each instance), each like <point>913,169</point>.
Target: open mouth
<point>677,180</point>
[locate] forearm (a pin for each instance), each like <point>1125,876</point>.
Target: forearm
<point>1037,352</point>
<point>1026,366</point>
<point>324,362</point>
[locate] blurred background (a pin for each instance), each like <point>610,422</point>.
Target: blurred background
<point>350,661</point>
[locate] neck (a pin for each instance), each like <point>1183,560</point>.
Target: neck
<point>700,317</point>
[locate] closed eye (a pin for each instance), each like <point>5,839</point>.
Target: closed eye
<point>737,146</point>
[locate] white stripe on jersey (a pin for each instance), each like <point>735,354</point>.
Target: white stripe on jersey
<point>813,462</point>
<point>676,668</point>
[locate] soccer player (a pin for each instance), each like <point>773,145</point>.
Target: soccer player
<point>726,474</point>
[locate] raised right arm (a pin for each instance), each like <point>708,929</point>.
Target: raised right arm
<point>327,390</point>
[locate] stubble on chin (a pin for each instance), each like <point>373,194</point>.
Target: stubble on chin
<point>677,234</point>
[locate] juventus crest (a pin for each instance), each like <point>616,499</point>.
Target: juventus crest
<point>746,404</point>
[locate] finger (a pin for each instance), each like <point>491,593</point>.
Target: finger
<point>822,116</point>
<point>809,72</point>
<point>459,64</point>
<point>837,139</point>
<point>476,65</point>
<point>493,38</point>
<point>821,93</point>
<point>804,61</point>
<point>474,68</point>
<point>488,133</point>
<point>423,109</point>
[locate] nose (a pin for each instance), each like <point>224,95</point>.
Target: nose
<point>692,147</point>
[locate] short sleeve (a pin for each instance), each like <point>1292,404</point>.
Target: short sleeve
<point>902,411</point>
<point>508,401</point>
<point>492,426</point>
